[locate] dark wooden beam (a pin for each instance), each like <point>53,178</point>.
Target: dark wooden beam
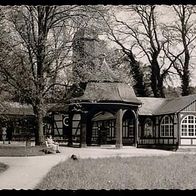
<point>70,142</point>
<point>83,131</point>
<point>119,116</point>
<point>136,129</point>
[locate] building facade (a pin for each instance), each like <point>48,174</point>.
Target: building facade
<point>97,119</point>
<point>108,111</point>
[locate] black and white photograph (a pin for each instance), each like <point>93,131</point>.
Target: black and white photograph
<point>98,97</point>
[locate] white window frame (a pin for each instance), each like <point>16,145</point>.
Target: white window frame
<point>170,126</point>
<point>187,124</point>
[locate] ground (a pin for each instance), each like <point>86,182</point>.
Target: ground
<point>164,172</point>
<point>20,151</point>
<point>3,167</point>
<point>28,172</point>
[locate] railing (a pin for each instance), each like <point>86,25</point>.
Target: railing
<point>157,141</point>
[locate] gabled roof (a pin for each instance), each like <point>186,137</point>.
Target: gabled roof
<point>161,106</point>
<point>175,105</point>
<point>150,105</point>
<point>108,91</point>
<point>58,107</point>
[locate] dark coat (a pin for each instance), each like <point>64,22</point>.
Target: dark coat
<point>9,132</point>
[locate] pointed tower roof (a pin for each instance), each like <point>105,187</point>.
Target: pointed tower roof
<point>108,92</point>
<point>103,72</point>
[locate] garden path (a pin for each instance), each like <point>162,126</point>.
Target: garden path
<point>26,172</point>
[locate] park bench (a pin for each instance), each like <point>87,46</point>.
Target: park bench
<point>61,140</point>
<point>48,149</point>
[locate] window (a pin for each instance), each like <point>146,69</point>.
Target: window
<point>188,126</point>
<point>128,128</point>
<point>166,127</point>
<point>148,128</point>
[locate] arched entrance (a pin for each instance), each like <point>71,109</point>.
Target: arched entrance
<point>128,128</point>
<point>103,128</point>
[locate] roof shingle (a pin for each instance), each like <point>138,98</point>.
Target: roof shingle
<point>109,91</point>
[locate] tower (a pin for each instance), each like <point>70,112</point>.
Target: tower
<point>84,53</point>
<point>89,58</point>
<point>84,44</point>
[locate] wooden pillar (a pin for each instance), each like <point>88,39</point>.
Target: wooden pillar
<point>52,127</point>
<point>63,126</point>
<point>70,130</point>
<point>83,130</point>
<point>119,116</point>
<point>159,129</point>
<point>89,131</point>
<point>136,129</point>
<point>178,130</point>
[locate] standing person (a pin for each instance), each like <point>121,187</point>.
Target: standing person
<point>9,132</point>
<point>4,134</point>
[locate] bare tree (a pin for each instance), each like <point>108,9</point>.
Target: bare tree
<point>180,37</point>
<point>134,65</point>
<point>146,37</point>
<point>153,49</point>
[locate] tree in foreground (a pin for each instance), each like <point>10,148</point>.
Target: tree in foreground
<point>36,51</point>
<point>36,47</point>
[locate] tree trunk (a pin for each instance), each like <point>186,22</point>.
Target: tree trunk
<point>185,78</point>
<point>156,80</point>
<point>40,55</point>
<point>160,86</point>
<point>185,84</point>
<point>138,76</point>
<point>153,81</point>
<point>39,132</point>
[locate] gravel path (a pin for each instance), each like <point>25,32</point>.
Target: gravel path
<point>26,172</point>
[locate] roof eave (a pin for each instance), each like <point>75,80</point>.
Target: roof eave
<point>107,102</point>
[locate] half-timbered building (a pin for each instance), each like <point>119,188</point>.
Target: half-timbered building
<point>108,111</point>
<point>167,121</point>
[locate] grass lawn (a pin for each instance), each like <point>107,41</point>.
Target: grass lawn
<point>3,167</point>
<point>166,172</point>
<point>20,151</point>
